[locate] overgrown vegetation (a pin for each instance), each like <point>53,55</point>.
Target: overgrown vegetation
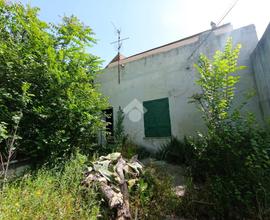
<point>153,197</point>
<point>230,164</point>
<point>58,194</point>
<point>217,80</point>
<point>122,141</point>
<point>233,158</point>
<point>50,194</point>
<point>234,168</point>
<point>176,151</point>
<point>119,132</point>
<point>64,108</point>
<point>49,108</point>
<point>10,137</point>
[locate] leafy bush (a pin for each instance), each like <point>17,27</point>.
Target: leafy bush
<point>129,149</point>
<point>122,142</point>
<point>176,151</point>
<point>50,195</point>
<point>218,79</point>
<point>65,108</point>
<point>235,171</point>
<point>153,197</point>
<point>143,153</point>
<point>232,161</point>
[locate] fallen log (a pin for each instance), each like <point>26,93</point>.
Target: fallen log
<point>109,173</point>
<point>113,198</point>
<point>123,213</point>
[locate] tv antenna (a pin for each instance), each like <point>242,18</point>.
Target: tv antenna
<point>119,43</point>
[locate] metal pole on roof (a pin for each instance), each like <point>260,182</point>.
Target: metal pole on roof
<point>119,46</point>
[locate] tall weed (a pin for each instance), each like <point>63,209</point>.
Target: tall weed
<point>50,194</point>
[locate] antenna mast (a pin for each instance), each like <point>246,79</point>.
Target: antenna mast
<point>119,46</point>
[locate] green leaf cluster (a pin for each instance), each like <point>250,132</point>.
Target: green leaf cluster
<point>120,136</point>
<point>51,63</point>
<point>231,161</point>
<point>217,80</point>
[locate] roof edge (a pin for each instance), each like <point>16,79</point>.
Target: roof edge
<point>168,44</point>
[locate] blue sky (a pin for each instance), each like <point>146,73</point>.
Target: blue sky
<point>151,23</point>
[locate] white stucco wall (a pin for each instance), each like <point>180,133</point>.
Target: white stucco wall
<point>261,67</point>
<point>171,74</point>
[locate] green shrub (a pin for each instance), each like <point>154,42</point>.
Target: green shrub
<point>50,195</point>
<point>64,112</point>
<point>234,166</point>
<point>153,197</point>
<point>143,153</point>
<point>122,142</point>
<point>176,151</point>
<point>218,79</point>
<point>120,137</point>
<point>129,149</point>
<point>232,161</point>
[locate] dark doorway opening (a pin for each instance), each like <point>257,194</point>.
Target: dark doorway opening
<point>109,121</point>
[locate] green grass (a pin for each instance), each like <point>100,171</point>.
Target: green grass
<point>50,194</point>
<point>57,194</point>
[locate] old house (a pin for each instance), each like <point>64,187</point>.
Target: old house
<point>153,87</point>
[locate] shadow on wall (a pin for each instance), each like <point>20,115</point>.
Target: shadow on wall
<point>261,67</point>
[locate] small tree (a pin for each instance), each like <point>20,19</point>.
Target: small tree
<point>217,81</point>
<point>8,138</point>
<point>119,132</point>
<point>232,159</point>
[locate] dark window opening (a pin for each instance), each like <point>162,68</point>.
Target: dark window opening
<point>109,121</point>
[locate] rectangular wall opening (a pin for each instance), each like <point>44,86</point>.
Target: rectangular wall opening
<point>110,125</point>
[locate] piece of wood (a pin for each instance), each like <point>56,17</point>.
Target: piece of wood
<point>114,187</point>
<point>114,199</point>
<point>123,213</point>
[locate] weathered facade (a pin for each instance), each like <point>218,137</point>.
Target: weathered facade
<point>155,86</point>
<point>261,67</point>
